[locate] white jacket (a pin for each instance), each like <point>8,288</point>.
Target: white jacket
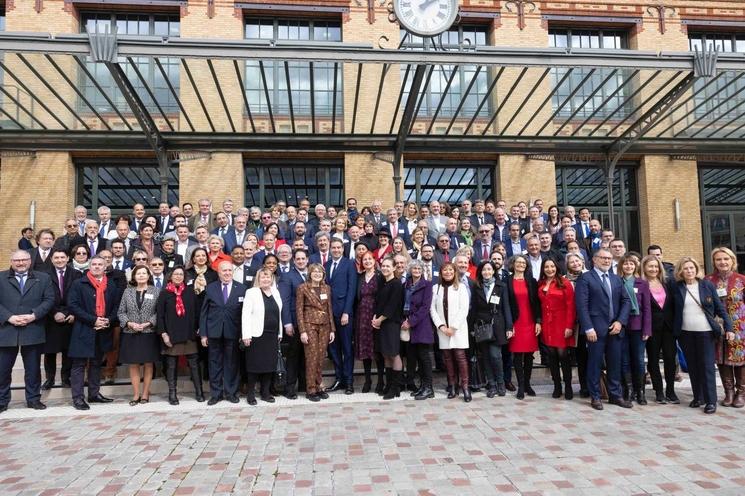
<point>458,303</point>
<point>252,321</point>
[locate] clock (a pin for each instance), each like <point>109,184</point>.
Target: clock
<point>426,17</point>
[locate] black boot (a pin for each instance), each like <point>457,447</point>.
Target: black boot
<point>367,363</point>
<point>171,364</point>
<point>424,393</point>
<point>553,365</point>
<point>625,386</point>
<point>639,394</point>
<point>388,381</point>
<point>520,375</point>
<point>395,385</point>
<point>566,371</point>
<point>196,377</point>
<point>528,371</point>
<point>380,368</point>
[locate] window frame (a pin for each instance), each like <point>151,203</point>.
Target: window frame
<point>482,189</point>
<point>262,165</point>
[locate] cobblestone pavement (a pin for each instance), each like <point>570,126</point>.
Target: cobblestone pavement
<point>362,445</point>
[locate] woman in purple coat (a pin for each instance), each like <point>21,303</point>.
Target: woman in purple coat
<point>639,328</point>
<point>417,321</point>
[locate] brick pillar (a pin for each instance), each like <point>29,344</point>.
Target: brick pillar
<point>522,179</point>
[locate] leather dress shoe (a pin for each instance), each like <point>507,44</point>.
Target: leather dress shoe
<point>596,404</point>
<point>3,408</point>
<point>621,402</point>
<point>584,393</point>
<point>337,386</point>
<point>710,408</point>
<point>671,397</point>
<point>323,395</point>
<point>694,404</point>
<point>349,390</point>
<point>66,383</point>
<point>80,405</point>
<point>291,395</point>
<point>268,399</point>
<point>233,399</point>
<point>214,401</point>
<point>99,398</point>
<point>48,384</point>
<point>251,400</point>
<point>509,386</point>
<point>36,405</point>
<point>313,397</point>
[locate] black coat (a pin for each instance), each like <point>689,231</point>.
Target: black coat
<point>482,310</point>
<point>37,298</point>
<point>662,318</point>
<point>82,304</point>
<point>58,335</point>
<point>179,329</point>
<point>535,303</point>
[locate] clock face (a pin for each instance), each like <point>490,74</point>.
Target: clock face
<point>426,17</point>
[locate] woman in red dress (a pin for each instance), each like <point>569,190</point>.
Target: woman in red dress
<point>526,317</point>
<point>557,309</point>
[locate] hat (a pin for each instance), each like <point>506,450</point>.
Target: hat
<point>384,231</point>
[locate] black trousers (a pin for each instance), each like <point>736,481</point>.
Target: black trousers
<point>31,356</point>
<point>698,348</point>
<point>50,366</point>
<point>661,341</point>
<point>409,351</point>
<point>264,380</point>
<point>77,375</point>
<point>422,354</point>
<point>581,356</point>
<point>294,353</point>
<point>223,367</point>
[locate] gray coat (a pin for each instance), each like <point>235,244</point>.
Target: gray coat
<point>37,298</point>
<point>129,312</point>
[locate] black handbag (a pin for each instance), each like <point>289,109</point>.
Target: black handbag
<point>280,374</point>
<point>483,332</point>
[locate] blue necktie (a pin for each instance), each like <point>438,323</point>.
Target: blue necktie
<point>224,293</point>
<point>609,292</point>
<point>21,281</point>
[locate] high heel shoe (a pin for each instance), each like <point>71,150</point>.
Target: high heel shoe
<point>467,395</point>
<point>144,401</point>
<point>135,402</point>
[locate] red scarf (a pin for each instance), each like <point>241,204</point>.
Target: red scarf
<point>100,287</point>
<point>177,290</point>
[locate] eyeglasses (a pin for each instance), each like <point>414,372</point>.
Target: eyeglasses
<point>81,252</point>
<point>139,259</point>
<point>156,264</point>
<point>20,260</point>
<point>483,232</point>
<point>71,225</point>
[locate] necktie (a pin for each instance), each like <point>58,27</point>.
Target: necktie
<point>158,283</point>
<point>303,275</point>
<point>446,256</point>
<point>118,265</point>
<point>394,230</point>
<point>427,272</point>
<point>481,220</point>
<point>82,228</point>
<point>93,248</point>
<point>486,252</point>
<point>221,232</point>
<point>333,269</point>
<point>43,255</point>
<point>608,292</point>
<point>323,259</point>
<point>102,231</point>
<point>284,270</point>
<point>61,280</point>
<point>21,281</point>
<point>225,293</point>
<point>586,229</point>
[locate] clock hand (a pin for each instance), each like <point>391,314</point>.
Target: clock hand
<point>426,3</point>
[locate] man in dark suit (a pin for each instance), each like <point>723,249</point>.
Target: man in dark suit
<point>222,228</point>
<point>501,226</point>
<point>594,240</point>
<point>480,216</point>
<point>41,259</point>
<point>94,241</point>
<point>564,224</point>
<point>396,226</point>
<point>443,253</point>
<point>119,261</point>
<point>431,269</point>
<point>165,221</point>
<point>515,245</point>
<point>482,247</point>
<point>138,217</point>
<point>26,297</point>
<point>603,308</point>
<point>376,217</point>
<point>583,224</point>
<point>341,275</point>
<point>242,273</point>
<point>237,234</point>
<point>288,284</point>
<point>354,234</point>
<point>219,330</point>
<point>203,217</point>
<point>456,240</point>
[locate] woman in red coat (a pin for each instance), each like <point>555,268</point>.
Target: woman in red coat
<point>557,309</point>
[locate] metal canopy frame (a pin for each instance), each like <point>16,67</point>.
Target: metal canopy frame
<point>655,106</point>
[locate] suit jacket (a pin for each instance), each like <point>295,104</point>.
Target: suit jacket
<point>456,241</point>
<point>288,285</point>
<point>82,304</point>
<point>245,275</point>
<point>402,230</point>
<point>231,240</point>
<point>708,299</point>
<point>440,256</point>
<point>129,312</point>
<point>478,251</point>
<point>220,319</point>
<point>488,219</point>
<point>37,298</point>
<point>134,224</point>
<point>643,321</point>
<point>502,236</point>
<point>58,335</point>
<point>314,309</point>
<point>41,265</point>
<point>508,247</point>
<point>593,309</point>
<point>101,243</point>
<point>580,232</point>
<point>227,229</point>
<point>169,226</point>
<point>434,228</point>
<point>129,246</point>
<point>377,223</point>
<point>253,313</point>
<point>343,284</point>
<point>196,221</point>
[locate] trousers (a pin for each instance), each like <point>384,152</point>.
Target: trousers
<point>318,341</point>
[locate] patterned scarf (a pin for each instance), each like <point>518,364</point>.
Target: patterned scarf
<point>200,282</point>
<point>177,290</point>
<point>100,287</point>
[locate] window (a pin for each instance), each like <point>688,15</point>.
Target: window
<point>586,187</point>
<point>322,83</point>
<point>722,191</point>
<point>724,89</point>
<point>269,181</point>
<point>467,36</point>
<point>429,181</point>
<point>589,38</point>
<point>120,186</point>
<point>136,25</point>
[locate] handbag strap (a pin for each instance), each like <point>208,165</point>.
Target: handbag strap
<point>706,312</point>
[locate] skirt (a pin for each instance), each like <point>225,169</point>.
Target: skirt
<point>388,338</point>
<point>261,356</point>
<point>136,348</point>
<point>187,348</point>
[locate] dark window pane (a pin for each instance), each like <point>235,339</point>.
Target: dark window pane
<point>449,184</point>
<point>293,182</point>
<point>121,186</point>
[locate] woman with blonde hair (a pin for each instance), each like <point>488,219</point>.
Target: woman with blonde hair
<point>730,354</point>
<point>696,308</point>
<point>316,325</point>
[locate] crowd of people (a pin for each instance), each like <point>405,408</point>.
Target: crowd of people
<point>476,290</point>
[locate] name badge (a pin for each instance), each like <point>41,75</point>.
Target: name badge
<point>436,274</point>
<point>324,297</point>
<point>721,292</point>
<point>170,264</point>
<point>524,252</point>
<point>149,297</point>
<point>240,299</point>
<point>636,290</point>
<point>250,278</point>
<point>494,299</point>
<point>189,283</point>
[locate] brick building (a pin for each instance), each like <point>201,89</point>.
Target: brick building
<point>687,202</point>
